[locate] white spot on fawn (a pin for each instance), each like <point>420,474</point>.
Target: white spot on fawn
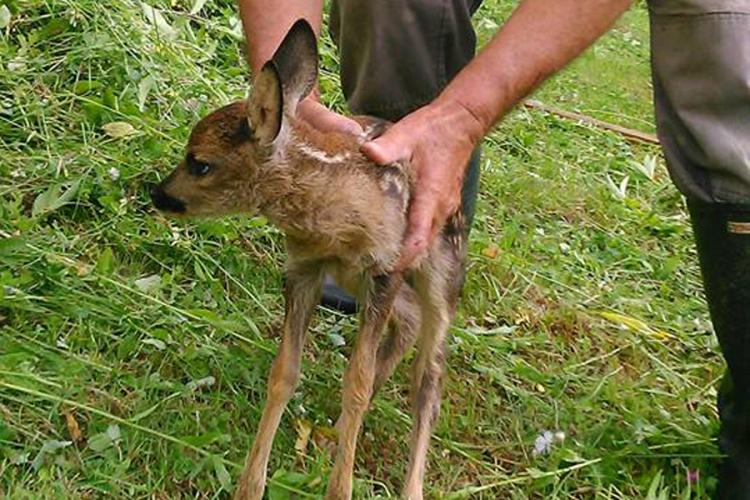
<point>322,156</point>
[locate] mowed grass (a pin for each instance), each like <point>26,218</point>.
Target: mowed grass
<point>134,350</point>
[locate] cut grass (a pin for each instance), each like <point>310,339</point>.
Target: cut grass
<point>582,310</point>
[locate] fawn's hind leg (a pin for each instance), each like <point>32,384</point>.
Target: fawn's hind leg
<point>301,292</point>
<point>438,286</point>
<point>359,379</point>
<point>402,332</point>
<point>426,383</point>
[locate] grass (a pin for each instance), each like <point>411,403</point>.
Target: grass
<point>133,350</point>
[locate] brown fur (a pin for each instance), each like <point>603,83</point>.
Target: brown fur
<point>343,216</point>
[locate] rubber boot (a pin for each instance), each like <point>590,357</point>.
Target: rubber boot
<point>334,297</point>
<point>722,234</point>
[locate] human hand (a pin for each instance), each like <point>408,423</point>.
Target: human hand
<point>325,120</point>
<point>438,140</point>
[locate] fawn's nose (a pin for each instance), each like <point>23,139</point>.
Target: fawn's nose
<point>163,201</point>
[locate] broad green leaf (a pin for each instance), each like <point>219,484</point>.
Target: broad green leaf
<point>205,439</point>
<point>118,130</point>
<point>284,482</point>
<point>104,264</point>
<point>100,442</point>
<point>4,16</point>
<point>194,385</point>
<point>221,474</point>
<point>654,490</point>
<point>535,473</point>
<point>148,283</point>
<point>113,431</point>
<point>235,28</point>
<point>54,198</point>
<point>9,246</point>
<point>206,314</point>
<point>159,344</point>
<point>144,87</point>
<point>336,340</point>
<point>84,86</point>
<point>155,17</point>
<point>19,458</point>
<point>48,447</point>
<point>571,456</point>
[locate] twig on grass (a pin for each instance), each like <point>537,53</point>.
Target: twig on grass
<point>628,133</point>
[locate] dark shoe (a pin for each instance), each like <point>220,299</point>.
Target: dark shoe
<point>722,234</point>
<point>335,298</point>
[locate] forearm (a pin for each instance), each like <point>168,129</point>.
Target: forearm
<point>266,22</point>
<point>539,39</point>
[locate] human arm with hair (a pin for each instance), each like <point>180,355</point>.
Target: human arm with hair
<point>539,39</point>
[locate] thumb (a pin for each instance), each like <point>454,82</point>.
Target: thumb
<point>388,148</point>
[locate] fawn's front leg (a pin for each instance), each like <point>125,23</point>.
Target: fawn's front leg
<point>358,381</point>
<point>301,292</point>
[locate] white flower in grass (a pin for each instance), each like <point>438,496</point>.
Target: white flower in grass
<point>114,173</point>
<point>543,443</point>
<point>545,440</point>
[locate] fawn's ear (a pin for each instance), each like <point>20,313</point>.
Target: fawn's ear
<point>296,60</point>
<point>283,82</point>
<point>265,105</point>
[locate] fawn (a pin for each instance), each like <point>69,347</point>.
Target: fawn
<point>343,216</point>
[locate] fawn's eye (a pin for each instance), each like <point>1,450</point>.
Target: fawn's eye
<point>200,169</point>
<point>197,168</point>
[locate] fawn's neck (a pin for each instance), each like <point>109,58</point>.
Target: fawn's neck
<point>305,180</point>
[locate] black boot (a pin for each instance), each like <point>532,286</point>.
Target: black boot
<point>336,298</point>
<point>722,233</point>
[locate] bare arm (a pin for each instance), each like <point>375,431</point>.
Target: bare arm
<point>267,21</point>
<point>540,38</point>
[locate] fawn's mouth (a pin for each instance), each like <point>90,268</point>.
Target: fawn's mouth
<point>162,201</point>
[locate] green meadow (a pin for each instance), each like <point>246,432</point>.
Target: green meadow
<point>134,349</point>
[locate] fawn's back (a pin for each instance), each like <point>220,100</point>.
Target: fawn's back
<point>331,201</point>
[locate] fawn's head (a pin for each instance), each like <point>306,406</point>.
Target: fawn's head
<point>229,150</point>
